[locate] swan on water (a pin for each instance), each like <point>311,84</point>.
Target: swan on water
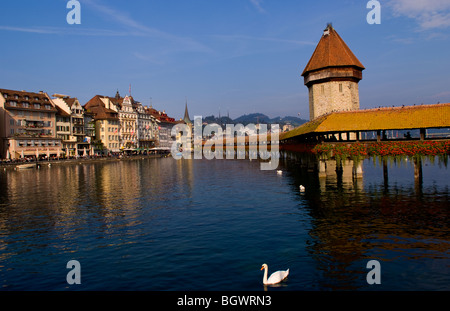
<point>279,172</point>
<point>275,277</point>
<point>302,188</point>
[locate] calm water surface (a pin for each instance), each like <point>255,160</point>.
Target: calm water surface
<point>162,224</point>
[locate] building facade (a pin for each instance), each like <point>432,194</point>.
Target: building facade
<point>106,123</point>
<point>131,127</point>
<point>27,125</point>
<point>128,123</point>
<point>165,125</point>
<point>147,128</point>
<point>71,113</point>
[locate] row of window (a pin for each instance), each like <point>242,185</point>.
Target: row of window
<point>110,129</point>
<point>63,128</point>
<point>13,103</point>
<point>29,123</point>
<point>22,132</point>
<point>38,143</point>
<point>111,137</point>
<point>26,97</point>
<point>32,114</point>
<point>109,122</point>
<point>322,88</point>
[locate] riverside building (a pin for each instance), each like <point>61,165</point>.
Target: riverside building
<point>27,125</point>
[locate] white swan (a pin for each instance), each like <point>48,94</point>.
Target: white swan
<point>275,277</point>
<point>279,172</point>
<point>302,188</point>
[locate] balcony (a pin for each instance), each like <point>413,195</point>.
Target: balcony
<point>34,124</point>
<point>78,122</point>
<point>77,131</point>
<point>34,133</point>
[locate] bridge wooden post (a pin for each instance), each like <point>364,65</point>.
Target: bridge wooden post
<point>357,169</point>
<point>418,177</point>
<point>385,174</point>
<point>322,169</point>
<point>422,134</point>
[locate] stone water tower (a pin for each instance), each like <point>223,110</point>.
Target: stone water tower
<point>332,75</point>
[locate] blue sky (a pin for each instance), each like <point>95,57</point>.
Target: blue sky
<point>227,56</point>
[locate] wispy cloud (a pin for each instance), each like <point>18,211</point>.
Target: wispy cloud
<point>149,58</point>
<point>240,45</point>
<point>430,14</point>
<point>65,31</point>
<point>122,18</point>
<point>41,30</point>
<point>268,39</point>
<point>442,95</point>
<point>138,29</point>
<point>257,5</point>
<point>245,38</point>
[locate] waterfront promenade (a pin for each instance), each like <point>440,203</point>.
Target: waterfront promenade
<point>12,164</point>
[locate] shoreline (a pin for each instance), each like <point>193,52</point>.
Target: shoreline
<point>13,165</point>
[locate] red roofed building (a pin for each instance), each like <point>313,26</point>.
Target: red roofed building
<point>107,123</point>
<point>165,125</point>
<point>27,125</point>
<point>332,75</point>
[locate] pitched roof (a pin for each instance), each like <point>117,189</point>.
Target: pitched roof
<point>331,51</point>
<point>70,101</point>
<point>61,112</point>
<point>26,100</point>
<point>161,116</point>
<point>396,118</point>
<point>186,118</point>
<point>96,106</point>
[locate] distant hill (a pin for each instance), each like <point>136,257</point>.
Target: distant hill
<point>255,118</point>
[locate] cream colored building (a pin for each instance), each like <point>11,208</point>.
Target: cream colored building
<point>71,111</point>
<point>27,125</point>
<point>107,123</point>
<point>128,124</point>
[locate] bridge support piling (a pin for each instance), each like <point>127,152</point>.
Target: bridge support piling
<point>357,170</point>
<point>322,169</point>
<point>385,174</point>
<point>418,177</point>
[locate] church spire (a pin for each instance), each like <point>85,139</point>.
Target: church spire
<point>186,118</point>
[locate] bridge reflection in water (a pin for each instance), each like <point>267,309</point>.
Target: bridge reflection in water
<point>361,212</point>
<point>349,172</point>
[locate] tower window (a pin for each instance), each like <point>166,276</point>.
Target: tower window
<point>340,87</point>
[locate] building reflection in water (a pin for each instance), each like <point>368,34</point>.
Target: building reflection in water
<point>101,197</point>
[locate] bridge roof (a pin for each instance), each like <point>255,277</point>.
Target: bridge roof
<point>396,118</point>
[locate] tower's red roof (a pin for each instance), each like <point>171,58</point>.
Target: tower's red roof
<point>331,51</point>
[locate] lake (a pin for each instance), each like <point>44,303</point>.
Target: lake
<point>165,224</point>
